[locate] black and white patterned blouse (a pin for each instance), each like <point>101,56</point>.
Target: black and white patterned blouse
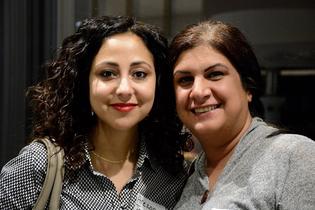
<point>151,187</point>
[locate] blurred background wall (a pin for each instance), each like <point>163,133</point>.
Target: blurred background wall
<point>282,33</point>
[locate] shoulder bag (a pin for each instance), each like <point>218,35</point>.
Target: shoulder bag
<point>54,177</point>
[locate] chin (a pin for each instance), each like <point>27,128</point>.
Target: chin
<point>203,127</point>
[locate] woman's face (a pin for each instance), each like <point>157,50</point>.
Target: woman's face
<point>122,82</point>
<point>209,93</point>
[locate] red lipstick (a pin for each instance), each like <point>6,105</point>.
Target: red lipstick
<point>123,107</point>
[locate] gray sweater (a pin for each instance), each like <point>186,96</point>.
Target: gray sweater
<point>263,173</point>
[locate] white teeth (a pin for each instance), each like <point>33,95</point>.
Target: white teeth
<point>205,109</point>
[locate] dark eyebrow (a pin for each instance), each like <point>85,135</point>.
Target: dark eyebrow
<point>107,63</point>
<point>117,65</point>
<point>209,68</point>
<point>141,63</point>
<point>181,72</point>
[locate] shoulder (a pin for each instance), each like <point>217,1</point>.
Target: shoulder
<point>31,160</point>
<point>267,138</point>
<point>298,189</point>
<point>293,143</point>
<point>33,156</point>
<point>197,175</point>
<point>22,177</point>
<point>293,153</point>
<point>196,185</point>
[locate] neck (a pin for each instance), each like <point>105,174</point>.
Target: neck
<point>113,144</point>
<point>220,146</point>
<point>217,155</point>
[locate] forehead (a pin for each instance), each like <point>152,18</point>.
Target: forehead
<point>123,44</point>
<point>200,57</point>
<point>128,39</point>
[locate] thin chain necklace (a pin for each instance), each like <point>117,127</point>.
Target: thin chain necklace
<point>108,160</point>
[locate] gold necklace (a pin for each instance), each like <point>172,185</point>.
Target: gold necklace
<point>108,160</point>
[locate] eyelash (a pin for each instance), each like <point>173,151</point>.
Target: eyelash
<point>187,80</point>
<point>139,75</point>
<point>214,75</point>
<point>109,74</point>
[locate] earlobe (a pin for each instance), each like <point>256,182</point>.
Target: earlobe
<point>249,97</point>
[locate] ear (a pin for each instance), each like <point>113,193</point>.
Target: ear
<point>249,96</point>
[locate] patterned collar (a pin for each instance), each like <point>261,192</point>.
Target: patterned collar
<point>144,157</point>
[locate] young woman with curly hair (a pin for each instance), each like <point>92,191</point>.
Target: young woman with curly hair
<point>106,102</point>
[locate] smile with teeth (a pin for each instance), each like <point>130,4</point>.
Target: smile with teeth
<point>205,109</point>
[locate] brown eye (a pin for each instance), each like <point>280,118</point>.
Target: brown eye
<point>185,80</point>
<point>214,75</point>
<point>139,75</point>
<point>108,74</point>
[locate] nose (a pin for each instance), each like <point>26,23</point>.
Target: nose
<point>201,91</point>
<point>124,90</point>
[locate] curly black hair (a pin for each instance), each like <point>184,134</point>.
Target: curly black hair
<point>61,106</point>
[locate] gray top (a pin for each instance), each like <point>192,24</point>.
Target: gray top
<point>263,173</point>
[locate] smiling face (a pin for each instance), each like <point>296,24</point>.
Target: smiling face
<point>122,82</point>
<point>210,98</point>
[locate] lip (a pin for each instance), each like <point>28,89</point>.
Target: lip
<point>124,107</point>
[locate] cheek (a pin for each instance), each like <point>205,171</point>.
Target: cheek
<point>236,96</point>
<point>150,95</point>
<point>181,99</point>
<point>147,91</point>
<point>229,89</point>
<point>99,90</point>
<point>92,92</point>
<point>181,109</point>
<point>95,85</point>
